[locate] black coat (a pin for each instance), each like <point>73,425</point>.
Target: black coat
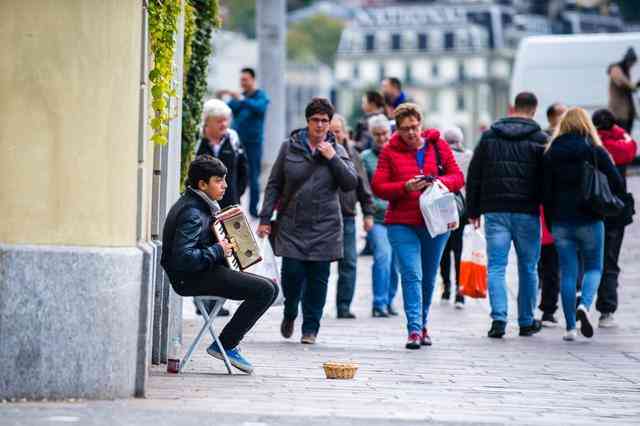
<point>189,246</point>
<point>505,173</point>
<point>233,156</point>
<point>563,163</point>
<point>304,188</point>
<point>362,194</point>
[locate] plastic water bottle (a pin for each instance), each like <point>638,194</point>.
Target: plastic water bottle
<point>173,359</point>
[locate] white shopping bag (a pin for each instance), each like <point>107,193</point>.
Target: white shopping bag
<point>473,265</point>
<point>439,209</point>
<point>268,267</point>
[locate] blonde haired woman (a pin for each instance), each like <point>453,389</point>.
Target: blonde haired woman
<point>573,225</point>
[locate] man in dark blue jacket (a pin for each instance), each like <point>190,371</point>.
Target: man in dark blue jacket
<point>249,109</point>
<point>195,261</point>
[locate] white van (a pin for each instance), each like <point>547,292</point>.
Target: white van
<point>571,69</point>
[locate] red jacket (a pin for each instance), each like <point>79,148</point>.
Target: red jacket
<point>398,163</point>
<point>619,144</point>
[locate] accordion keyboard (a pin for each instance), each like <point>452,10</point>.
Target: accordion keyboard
<point>221,234</point>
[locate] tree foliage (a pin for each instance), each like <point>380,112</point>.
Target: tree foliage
<point>241,16</point>
<point>316,37</point>
<point>205,20</point>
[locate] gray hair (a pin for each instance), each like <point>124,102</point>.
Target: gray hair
<point>342,121</point>
<point>379,121</point>
<point>215,108</point>
<point>453,135</point>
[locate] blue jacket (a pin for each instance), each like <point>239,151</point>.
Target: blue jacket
<point>248,116</point>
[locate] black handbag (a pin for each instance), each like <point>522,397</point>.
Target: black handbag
<point>596,194</point>
<point>461,203</point>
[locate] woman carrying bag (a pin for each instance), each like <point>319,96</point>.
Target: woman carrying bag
<point>407,165</point>
<point>576,153</point>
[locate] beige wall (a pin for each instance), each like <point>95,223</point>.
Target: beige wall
<point>69,74</point>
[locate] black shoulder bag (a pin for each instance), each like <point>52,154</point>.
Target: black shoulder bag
<point>596,194</point>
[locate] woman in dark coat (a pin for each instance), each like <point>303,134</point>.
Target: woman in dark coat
<point>304,185</point>
<point>621,90</point>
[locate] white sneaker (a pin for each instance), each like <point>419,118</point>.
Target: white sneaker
<point>607,321</point>
<point>582,315</point>
<point>459,305</point>
<point>570,335</point>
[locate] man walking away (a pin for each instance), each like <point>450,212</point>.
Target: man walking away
<point>504,184</point>
<point>249,110</point>
<point>393,94</point>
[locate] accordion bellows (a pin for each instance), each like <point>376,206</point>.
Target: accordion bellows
<point>231,224</point>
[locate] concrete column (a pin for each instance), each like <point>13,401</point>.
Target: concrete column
<point>272,63</point>
<point>70,269</point>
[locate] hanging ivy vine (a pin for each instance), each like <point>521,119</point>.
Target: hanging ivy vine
<point>163,25</point>
<point>205,20</point>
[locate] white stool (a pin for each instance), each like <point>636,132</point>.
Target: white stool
<point>208,325</point>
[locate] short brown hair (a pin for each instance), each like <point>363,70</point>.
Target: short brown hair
<point>319,106</point>
<point>405,110</point>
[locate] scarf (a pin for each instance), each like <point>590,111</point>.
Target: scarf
<point>213,205</point>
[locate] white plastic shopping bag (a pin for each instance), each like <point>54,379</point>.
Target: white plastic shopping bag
<point>439,209</point>
<point>268,267</point>
<point>473,265</point>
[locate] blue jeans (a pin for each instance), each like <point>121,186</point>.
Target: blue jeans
<point>418,257</point>
<point>254,157</point>
<point>588,238</point>
<point>524,230</point>
<point>306,281</point>
<point>347,265</point>
<point>384,272</point>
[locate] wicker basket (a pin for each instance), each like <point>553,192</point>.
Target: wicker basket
<point>340,370</point>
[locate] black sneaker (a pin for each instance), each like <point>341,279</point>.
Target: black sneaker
<point>497,329</point>
<point>223,312</point>
<point>446,295</point>
<point>582,315</point>
<point>548,320</point>
<point>392,312</point>
<point>286,328</point>
<point>459,302</point>
<point>532,329</point>
<point>379,313</point>
<point>346,315</point>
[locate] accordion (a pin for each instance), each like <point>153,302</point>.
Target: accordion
<point>231,224</point>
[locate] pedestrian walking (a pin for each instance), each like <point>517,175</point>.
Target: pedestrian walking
<point>249,109</point>
<point>372,104</point>
<point>347,266</point>
<point>304,184</point>
<point>554,114</point>
<point>404,165</point>
<point>391,88</point>
<point>503,185</point>
<point>621,90</point>
<point>455,139</point>
<point>622,149</point>
<point>195,261</point>
<point>384,271</point>
<point>575,226</point>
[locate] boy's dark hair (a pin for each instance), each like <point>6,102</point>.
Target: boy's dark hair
<point>551,111</point>
<point>526,102</point>
<point>603,119</point>
<point>249,71</point>
<point>375,98</point>
<point>203,168</point>
<point>319,106</point>
<point>395,82</point>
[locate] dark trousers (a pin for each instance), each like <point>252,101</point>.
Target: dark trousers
<point>549,274</point>
<point>454,244</point>
<point>305,281</point>
<point>254,157</point>
<point>607,301</point>
<point>626,124</point>
<point>347,266</point>
<point>257,292</point>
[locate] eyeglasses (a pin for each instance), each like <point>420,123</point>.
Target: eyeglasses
<point>319,121</point>
<point>414,129</point>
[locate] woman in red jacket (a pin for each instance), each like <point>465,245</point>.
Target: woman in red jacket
<point>623,151</point>
<point>399,178</point>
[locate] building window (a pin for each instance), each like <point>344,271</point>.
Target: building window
<point>460,103</point>
<point>356,71</point>
<point>369,42</point>
<point>449,41</point>
<point>435,71</point>
<point>396,42</point>
<point>408,75</point>
<point>422,41</point>
<point>462,76</point>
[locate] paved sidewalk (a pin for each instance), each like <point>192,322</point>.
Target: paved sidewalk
<point>465,378</point>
